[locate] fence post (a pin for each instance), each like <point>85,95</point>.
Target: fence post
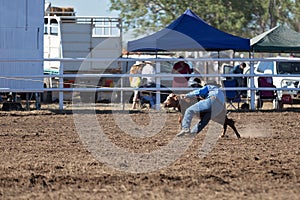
<point>61,85</point>
<point>158,84</point>
<point>122,94</point>
<point>252,92</point>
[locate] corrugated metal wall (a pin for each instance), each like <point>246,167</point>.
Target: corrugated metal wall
<point>21,37</point>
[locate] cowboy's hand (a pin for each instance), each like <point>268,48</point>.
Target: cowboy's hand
<point>200,97</point>
<point>183,96</point>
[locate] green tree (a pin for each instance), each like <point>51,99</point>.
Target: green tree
<point>294,19</point>
<point>274,12</point>
<point>243,18</point>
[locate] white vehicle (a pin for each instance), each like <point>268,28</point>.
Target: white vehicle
<point>70,36</point>
<point>281,66</point>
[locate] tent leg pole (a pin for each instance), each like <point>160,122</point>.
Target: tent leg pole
<point>252,92</point>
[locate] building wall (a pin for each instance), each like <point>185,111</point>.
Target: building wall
<point>21,37</point>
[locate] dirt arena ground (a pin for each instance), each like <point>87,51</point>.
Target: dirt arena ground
<point>43,157</point>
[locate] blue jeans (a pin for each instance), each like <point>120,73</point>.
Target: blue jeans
<point>150,99</point>
<point>213,107</point>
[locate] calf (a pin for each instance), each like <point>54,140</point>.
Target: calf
<point>181,104</point>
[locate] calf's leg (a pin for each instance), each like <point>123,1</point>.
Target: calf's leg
<point>230,123</point>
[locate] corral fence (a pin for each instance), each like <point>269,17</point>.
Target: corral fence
<point>122,87</point>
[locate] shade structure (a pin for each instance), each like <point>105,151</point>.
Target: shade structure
<point>279,39</point>
<point>189,33</point>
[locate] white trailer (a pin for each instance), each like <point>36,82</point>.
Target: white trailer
<point>70,36</point>
<point>21,45</point>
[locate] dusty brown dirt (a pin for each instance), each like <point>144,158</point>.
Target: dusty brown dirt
<point>42,157</point>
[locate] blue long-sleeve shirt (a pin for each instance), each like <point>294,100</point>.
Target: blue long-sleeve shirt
<point>204,92</point>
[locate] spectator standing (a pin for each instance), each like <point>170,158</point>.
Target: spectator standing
<point>181,67</point>
<point>135,81</point>
<point>148,69</point>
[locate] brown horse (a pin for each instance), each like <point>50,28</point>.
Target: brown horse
<point>181,104</point>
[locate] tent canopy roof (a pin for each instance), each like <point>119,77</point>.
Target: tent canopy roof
<point>279,39</point>
<point>189,33</point>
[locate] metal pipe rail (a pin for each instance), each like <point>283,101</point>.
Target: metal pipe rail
<point>149,59</point>
<point>157,76</point>
<point>150,75</point>
<point>114,89</point>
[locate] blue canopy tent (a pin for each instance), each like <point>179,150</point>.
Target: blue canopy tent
<point>189,33</point>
